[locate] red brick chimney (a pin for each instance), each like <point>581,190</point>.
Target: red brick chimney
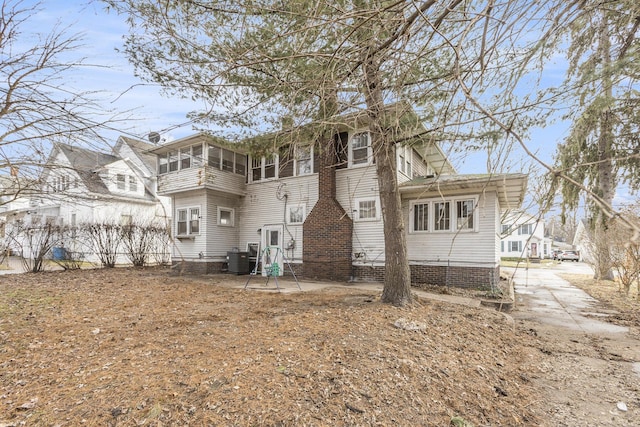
<point>328,230</point>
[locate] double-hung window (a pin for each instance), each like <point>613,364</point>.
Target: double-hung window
<point>133,183</point>
<point>360,148</point>
<point>120,179</point>
<point>264,168</point>
<point>367,210</point>
<point>303,160</point>
<point>188,221</point>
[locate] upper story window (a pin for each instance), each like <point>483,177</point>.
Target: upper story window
<point>264,168</point>
<point>60,183</point>
<point>173,161</point>
<point>525,229</point>
<point>404,159</point>
<point>120,180</point>
<point>227,160</point>
<point>360,151</point>
<point>303,158</point>
<point>184,158</point>
<point>133,183</point>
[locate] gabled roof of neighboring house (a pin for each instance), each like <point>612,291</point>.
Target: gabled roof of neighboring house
<point>142,150</point>
<point>511,187</point>
<point>87,164</point>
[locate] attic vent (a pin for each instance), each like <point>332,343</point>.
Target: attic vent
<point>154,137</point>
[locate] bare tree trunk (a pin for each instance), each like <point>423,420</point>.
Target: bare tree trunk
<point>397,278</point>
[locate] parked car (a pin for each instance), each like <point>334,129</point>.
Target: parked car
<point>569,256</point>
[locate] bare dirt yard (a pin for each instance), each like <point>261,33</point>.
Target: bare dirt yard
<point>129,347</point>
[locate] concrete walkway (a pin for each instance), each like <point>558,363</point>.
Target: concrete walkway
<point>553,300</point>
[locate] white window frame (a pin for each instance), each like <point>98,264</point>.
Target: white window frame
<point>301,209</point>
<point>121,181</point>
<point>412,207</point>
<point>473,214</point>
<point>303,155</point>
<point>518,244</point>
<point>358,211</point>
<point>405,153</point>
<point>133,183</point>
<point>368,148</point>
<point>232,215</point>
<point>262,165</point>
<point>453,214</point>
<point>189,211</point>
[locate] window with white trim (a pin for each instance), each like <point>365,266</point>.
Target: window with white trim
<point>296,214</point>
<point>303,159</point>
<point>173,161</point>
<point>188,221</point>
<point>133,183</point>
<point>404,159</point>
<point>120,180</point>
<point>264,168</point>
<point>442,216</point>
<point>360,151</point>
<point>464,214</point>
<point>515,246</point>
<point>226,216</point>
<point>420,217</point>
<point>436,215</point>
<point>367,210</point>
<point>525,229</point>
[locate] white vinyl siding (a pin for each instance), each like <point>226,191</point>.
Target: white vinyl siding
<point>462,248</point>
<point>261,208</point>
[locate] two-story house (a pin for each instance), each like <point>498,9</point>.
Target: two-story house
<point>319,204</point>
<point>83,186</point>
<point>522,236</point>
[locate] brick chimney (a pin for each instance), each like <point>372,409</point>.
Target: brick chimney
<point>328,230</point>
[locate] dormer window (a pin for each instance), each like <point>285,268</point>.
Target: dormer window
<point>133,183</point>
<point>120,180</point>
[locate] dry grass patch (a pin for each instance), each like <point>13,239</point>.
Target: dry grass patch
<point>140,347</point>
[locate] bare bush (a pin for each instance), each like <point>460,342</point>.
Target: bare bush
<point>104,240</point>
<point>139,241</point>
<point>35,242</point>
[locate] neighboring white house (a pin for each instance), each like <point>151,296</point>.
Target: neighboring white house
<point>522,236</point>
<point>321,208</point>
<point>582,242</point>
<point>81,186</point>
